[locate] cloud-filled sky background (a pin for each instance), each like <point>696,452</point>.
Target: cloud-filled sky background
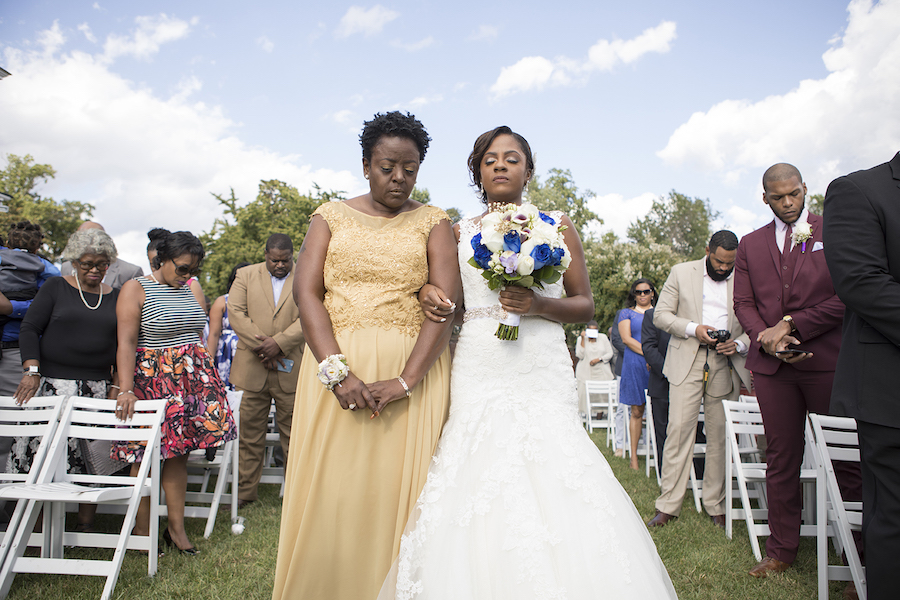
<point>146,109</point>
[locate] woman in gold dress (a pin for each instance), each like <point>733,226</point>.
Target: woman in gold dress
<point>363,440</point>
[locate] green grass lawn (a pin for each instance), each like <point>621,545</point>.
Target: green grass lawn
<point>702,562</point>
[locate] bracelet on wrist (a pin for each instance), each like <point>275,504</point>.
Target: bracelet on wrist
<point>115,386</point>
<point>333,370</point>
<point>126,392</point>
<point>405,387</point>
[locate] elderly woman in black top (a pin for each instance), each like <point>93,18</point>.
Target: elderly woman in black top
<point>68,345</point>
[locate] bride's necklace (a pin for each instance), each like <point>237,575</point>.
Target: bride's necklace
<point>80,293</point>
<point>154,279</point>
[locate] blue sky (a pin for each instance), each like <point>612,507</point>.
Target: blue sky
<point>145,109</point>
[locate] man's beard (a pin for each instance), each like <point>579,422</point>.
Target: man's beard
<point>711,271</point>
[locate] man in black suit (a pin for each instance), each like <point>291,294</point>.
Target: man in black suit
<point>862,226</point>
<point>655,343</point>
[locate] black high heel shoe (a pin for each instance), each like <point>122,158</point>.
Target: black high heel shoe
<point>192,551</point>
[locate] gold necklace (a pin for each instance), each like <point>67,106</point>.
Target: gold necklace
<point>80,293</point>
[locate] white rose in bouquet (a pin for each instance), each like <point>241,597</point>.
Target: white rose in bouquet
<point>526,265</point>
<point>491,232</point>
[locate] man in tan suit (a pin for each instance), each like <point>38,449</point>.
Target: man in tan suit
<point>695,302</point>
<point>264,316</point>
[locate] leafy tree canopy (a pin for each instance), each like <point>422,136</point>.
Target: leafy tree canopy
<point>816,204</point>
<point>559,192</point>
<point>59,220</point>
<point>240,234</point>
<point>678,222</point>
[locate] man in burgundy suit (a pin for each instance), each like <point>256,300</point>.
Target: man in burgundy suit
<point>783,297</point>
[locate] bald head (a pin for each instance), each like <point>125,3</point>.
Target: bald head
<point>780,172</point>
<point>90,225</point>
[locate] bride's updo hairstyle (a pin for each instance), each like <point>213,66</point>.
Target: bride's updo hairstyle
<point>393,124</point>
<point>483,143</point>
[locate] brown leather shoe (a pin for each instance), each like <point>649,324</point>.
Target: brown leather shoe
<point>850,592</point>
<point>769,565</point>
<point>660,519</point>
<point>718,520</point>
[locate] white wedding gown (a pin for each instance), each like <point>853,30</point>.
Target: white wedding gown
<point>519,503</point>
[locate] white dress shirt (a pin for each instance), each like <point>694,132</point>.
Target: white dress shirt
<point>715,306</point>
<point>277,286</point>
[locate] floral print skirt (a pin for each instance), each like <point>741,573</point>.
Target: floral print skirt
<point>197,413</point>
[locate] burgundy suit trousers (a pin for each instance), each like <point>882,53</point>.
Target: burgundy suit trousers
<point>784,399</point>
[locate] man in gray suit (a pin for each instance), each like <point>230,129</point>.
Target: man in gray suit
<point>119,271</point>
<point>696,301</point>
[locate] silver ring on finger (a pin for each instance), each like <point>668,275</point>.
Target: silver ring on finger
<point>352,407</point>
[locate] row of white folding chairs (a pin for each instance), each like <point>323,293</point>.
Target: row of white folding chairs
<point>50,487</point>
<point>827,439</point>
<point>601,397</point>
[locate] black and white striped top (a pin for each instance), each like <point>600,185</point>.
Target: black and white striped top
<point>170,316</point>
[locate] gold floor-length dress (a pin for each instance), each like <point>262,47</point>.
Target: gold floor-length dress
<point>351,481</point>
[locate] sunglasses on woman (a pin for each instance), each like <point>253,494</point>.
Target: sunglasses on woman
<point>185,270</point>
<point>89,266</point>
<point>642,292</point>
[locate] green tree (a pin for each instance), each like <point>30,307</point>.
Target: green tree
<point>559,192</point>
<point>59,220</point>
<point>424,196</point>
<point>241,233</point>
<point>613,265</point>
<point>677,221</point>
<point>816,204</point>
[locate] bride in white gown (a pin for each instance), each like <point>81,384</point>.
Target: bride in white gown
<point>519,502</point>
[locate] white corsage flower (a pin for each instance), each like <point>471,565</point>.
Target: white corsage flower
<point>802,232</point>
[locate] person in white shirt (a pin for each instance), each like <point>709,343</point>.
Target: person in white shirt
<point>266,363</point>
<point>704,363</point>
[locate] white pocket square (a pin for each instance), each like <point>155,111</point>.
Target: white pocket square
<point>818,246</point>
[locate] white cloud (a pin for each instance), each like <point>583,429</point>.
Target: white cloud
<point>343,117</point>
<point>484,32</point>
<point>848,120</point>
<point>141,159</point>
<point>150,34</point>
<point>96,6</point>
<point>265,43</point>
<point>618,212</point>
<point>420,101</point>
<point>742,220</point>
<point>88,34</point>
<point>537,72</point>
<point>414,46</point>
<point>368,22</point>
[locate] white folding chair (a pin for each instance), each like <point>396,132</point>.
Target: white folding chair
<point>88,419</point>
<point>39,418</point>
<point>835,438</point>
<point>272,473</point>
<point>602,397</point>
<point>747,473</point>
<point>204,504</point>
<point>650,450</point>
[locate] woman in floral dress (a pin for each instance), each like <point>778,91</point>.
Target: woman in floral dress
<point>161,355</point>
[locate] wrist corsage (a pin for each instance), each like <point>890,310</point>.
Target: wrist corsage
<point>333,370</point>
<point>802,232</point>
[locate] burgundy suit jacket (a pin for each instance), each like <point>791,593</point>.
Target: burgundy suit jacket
<point>761,300</point>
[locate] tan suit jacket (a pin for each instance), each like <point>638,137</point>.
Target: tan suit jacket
<point>680,303</point>
<point>252,311</point>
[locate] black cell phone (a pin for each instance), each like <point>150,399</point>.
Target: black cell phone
<point>792,350</point>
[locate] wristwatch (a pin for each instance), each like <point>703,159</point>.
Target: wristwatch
<point>790,321</point>
<point>32,370</point>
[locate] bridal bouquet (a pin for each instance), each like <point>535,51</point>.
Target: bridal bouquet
<point>519,245</point>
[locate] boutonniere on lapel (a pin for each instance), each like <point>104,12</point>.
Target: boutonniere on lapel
<point>801,234</point>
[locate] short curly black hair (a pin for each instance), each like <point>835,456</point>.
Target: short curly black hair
<point>393,124</point>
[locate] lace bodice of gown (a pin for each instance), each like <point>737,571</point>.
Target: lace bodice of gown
<point>375,266</point>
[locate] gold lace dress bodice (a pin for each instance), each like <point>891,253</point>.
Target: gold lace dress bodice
<point>375,266</point>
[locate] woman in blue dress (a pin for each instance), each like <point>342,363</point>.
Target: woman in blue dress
<point>222,339</point>
<point>633,386</point>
